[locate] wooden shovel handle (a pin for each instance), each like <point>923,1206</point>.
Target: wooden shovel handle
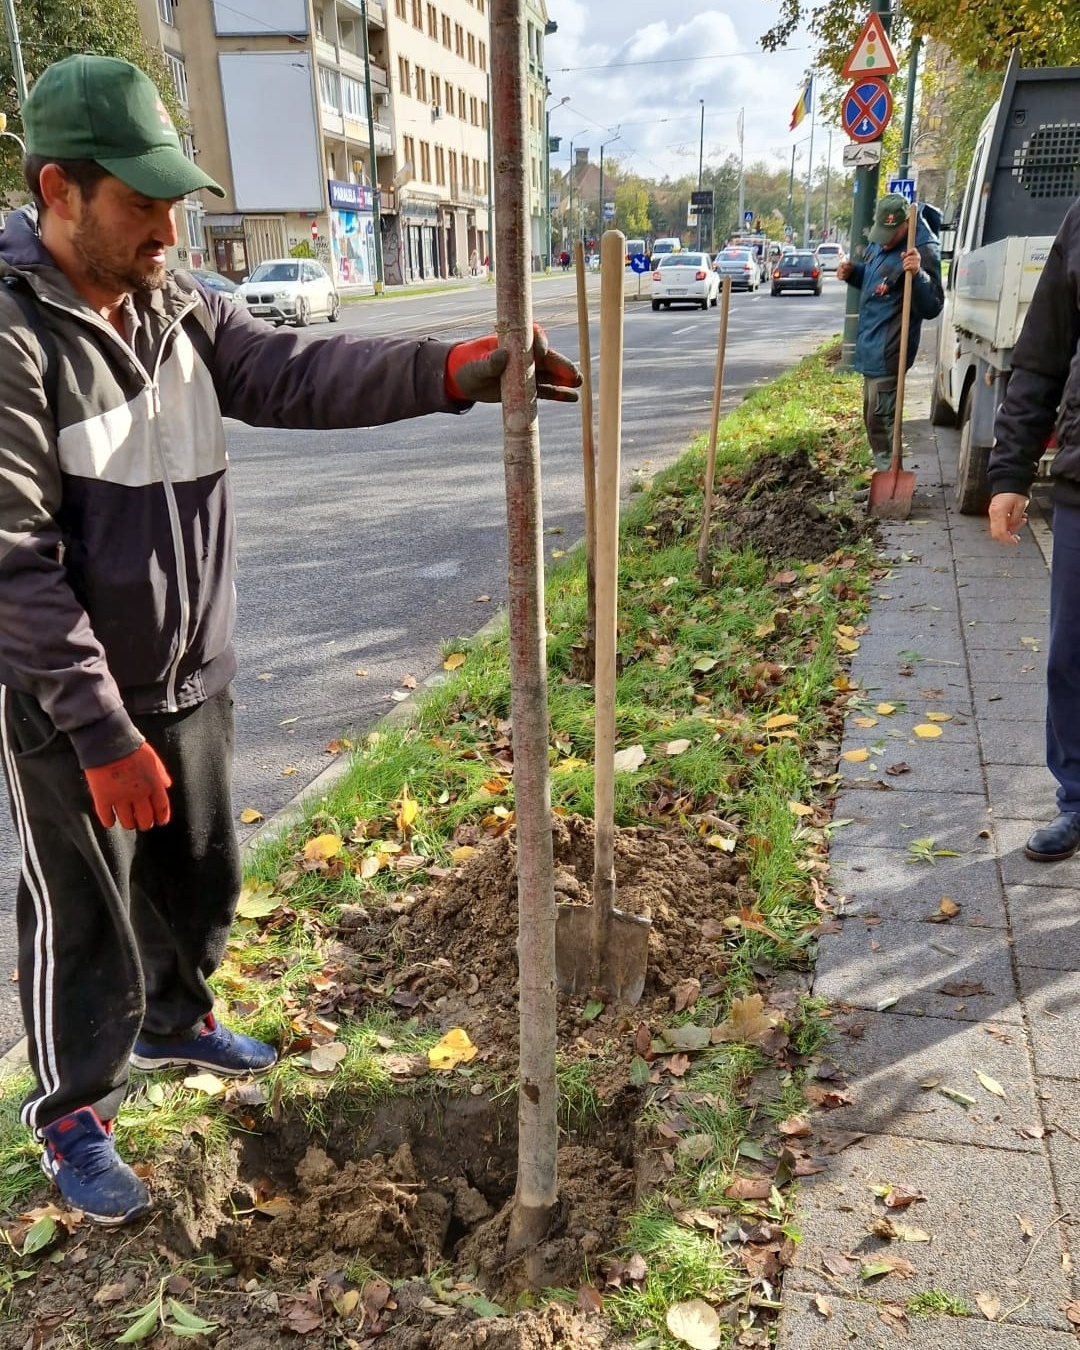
<point>588,446</point>
<point>905,329</point>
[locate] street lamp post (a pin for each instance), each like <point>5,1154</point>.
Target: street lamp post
<point>12,22</point>
<point>545,243</point>
<point>700,170</point>
<point>600,217</point>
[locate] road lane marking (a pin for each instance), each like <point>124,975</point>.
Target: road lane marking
<point>676,331</point>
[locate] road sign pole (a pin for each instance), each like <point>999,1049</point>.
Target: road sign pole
<point>909,108</point>
<point>864,197</point>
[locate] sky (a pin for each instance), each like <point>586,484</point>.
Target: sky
<point>639,69</point>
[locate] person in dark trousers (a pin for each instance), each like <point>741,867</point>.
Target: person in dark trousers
<point>1043,397</point>
<point>117,559</point>
<point>880,279</point>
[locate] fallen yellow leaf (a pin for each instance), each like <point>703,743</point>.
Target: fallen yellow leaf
<point>248,816</point>
<point>855,756</point>
<point>800,809</point>
<point>938,717</point>
<point>676,747</point>
<point>454,661</point>
<point>462,852</point>
<point>847,644</point>
<point>885,709</point>
<point>865,721</point>
<point>926,731</point>
<point>371,865</point>
<point>407,809</point>
<point>724,842</point>
<point>455,1048</point>
<point>208,1083</point>
<point>780,720</point>
<point>322,848</point>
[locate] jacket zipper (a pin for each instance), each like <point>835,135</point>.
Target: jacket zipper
<point>150,384</point>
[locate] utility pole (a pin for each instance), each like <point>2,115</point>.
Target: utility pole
<point>600,215</point>
<point>16,50</point>
<point>374,171</point>
<point>700,169</point>
<point>742,185</point>
<point>828,174</point>
<point>791,195</point>
<point>809,172</point>
<point>490,188</point>
<point>864,199</point>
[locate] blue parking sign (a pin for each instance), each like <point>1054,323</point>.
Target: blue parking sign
<point>748,217</point>
<point>904,186</point>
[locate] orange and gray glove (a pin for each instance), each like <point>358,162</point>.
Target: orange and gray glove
<point>132,789</point>
<point>474,370</point>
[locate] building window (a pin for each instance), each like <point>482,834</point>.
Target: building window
<point>446,31</point>
<point>484,115</point>
<point>404,76</point>
<point>453,173</point>
<point>418,14</point>
<point>472,50</point>
<point>178,71</point>
<point>329,89</point>
<point>461,104</point>
<point>476,175</point>
<point>421,84</point>
<point>353,100</point>
<point>192,217</point>
<point>425,161</point>
<point>187,144</point>
<point>436,89</point>
<point>399,8</point>
<point>165,11</point>
<point>440,165</point>
<point>483,56</point>
<point>464,173</point>
<point>449,98</point>
<point>474,111</point>
<point>433,23</point>
<point>409,146</point>
<point>480,6</point>
<point>459,39</point>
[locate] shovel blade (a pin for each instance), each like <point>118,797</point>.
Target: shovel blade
<point>618,971</point>
<point>891,491</point>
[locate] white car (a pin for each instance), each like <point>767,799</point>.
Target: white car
<point>291,290</point>
<point>684,279</point>
<point>830,256</point>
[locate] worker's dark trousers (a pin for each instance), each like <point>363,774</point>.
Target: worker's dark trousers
<point>879,415</point>
<point>1063,660</point>
<point>118,929</point>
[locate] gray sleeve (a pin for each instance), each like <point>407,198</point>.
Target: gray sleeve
<point>279,378</point>
<point>47,646</point>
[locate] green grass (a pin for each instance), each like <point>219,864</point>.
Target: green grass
<point>709,665</point>
<point>937,1301</point>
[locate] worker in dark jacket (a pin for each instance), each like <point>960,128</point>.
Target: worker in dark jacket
<point>880,278</point>
<point>117,560</point>
<point>1043,397</point>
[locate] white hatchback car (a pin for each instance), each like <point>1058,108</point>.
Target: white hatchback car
<point>830,256</point>
<point>684,279</point>
<point>291,290</point>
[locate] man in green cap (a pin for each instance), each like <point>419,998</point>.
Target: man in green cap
<point>880,278</point>
<point>117,560</point>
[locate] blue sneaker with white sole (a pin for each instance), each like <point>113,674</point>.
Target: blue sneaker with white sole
<point>80,1157</point>
<point>216,1048</point>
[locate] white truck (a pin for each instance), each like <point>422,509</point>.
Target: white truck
<point>1025,174</point>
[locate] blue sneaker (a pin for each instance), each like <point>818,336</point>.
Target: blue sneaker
<point>215,1048</point>
<point>80,1157</point>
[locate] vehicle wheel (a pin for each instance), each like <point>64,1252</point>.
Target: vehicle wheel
<point>715,301</point>
<point>302,317</point>
<point>776,290</point>
<point>705,303</point>
<point>972,490</point>
<point>278,323</point>
<point>818,291</point>
<point>656,304</point>
<point>941,415</point>
<point>667,304</point>
<point>335,309</point>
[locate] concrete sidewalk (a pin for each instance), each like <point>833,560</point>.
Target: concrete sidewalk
<point>958,627</point>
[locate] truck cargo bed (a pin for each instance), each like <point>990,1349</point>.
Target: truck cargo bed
<point>994,285</point>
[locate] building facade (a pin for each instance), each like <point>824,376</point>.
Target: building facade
<point>356,130</point>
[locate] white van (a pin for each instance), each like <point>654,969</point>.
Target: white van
<point>662,246</point>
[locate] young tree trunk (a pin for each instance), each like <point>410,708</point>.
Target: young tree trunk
<point>534,1198</point>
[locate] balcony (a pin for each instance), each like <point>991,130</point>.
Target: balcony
<point>326,52</point>
<point>380,84</point>
<point>375,12</point>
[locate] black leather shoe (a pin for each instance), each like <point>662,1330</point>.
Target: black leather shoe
<point>1056,841</point>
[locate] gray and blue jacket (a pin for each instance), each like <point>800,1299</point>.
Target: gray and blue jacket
<point>880,278</point>
<point>117,532</point>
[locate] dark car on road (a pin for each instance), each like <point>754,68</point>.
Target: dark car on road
<point>799,271</point>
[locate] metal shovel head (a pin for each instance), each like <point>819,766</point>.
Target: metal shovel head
<point>891,491</point>
<point>623,962</point>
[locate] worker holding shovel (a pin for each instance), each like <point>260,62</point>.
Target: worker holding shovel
<point>880,278</point>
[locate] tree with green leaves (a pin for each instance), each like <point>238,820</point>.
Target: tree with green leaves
<point>52,29</point>
<point>979,35</point>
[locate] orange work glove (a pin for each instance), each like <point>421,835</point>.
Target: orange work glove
<point>132,789</point>
<point>474,370</point>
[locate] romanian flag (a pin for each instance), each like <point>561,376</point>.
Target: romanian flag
<point>803,106</point>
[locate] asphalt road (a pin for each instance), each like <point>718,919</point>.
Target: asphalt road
<point>364,550</point>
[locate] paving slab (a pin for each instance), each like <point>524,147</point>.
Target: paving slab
<point>1028,592</point>
<point>880,885</point>
<point>896,1066</point>
<point>1013,789</point>
<point>1011,836</point>
<point>1061,1110</point>
<point>912,968</point>
<point>995,636</point>
<point>1046,931</point>
<point>1021,665</point>
<point>1021,702</point>
<point>896,820</point>
<point>953,768</point>
<point>971,1199</point>
<point>981,562</point>
<point>1052,1003</point>
<point>857,1323</point>
<point>916,646</point>
<point>1002,741</point>
<point>913,684</point>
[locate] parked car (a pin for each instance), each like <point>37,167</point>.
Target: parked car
<point>685,279</point>
<point>291,290</point>
<point>741,265</point>
<point>662,247</point>
<point>214,281</point>
<point>830,256</point>
<point>799,271</point>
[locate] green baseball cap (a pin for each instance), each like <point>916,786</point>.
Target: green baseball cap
<point>891,212</point>
<point>106,110</point>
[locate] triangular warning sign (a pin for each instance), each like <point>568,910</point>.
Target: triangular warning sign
<point>871,54</point>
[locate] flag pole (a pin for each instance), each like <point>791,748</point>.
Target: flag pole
<point>809,166</point>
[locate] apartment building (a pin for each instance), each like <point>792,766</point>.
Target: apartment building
<point>276,92</point>
<point>538,26</point>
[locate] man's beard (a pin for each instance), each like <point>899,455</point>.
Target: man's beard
<point>105,265</point>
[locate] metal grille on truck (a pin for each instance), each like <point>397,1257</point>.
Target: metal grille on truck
<point>1048,163</point>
